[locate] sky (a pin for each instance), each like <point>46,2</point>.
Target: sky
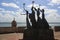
<point>10,9</point>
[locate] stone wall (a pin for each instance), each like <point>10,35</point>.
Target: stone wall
<point>11,29</point>
<point>57,28</point>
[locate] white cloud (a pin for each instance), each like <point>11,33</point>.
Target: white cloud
<point>10,5</point>
<point>54,2</point>
<point>17,1</point>
<point>49,11</point>
<point>59,7</point>
<point>7,16</point>
<point>1,9</point>
<point>54,17</point>
<point>51,4</point>
<point>50,14</point>
<point>37,6</point>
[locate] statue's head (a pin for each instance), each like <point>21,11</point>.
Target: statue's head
<point>42,10</point>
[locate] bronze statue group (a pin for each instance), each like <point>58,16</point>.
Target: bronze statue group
<point>37,29</point>
<point>40,23</point>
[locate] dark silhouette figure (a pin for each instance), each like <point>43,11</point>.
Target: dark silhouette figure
<point>34,25</point>
<point>28,30</point>
<point>39,30</point>
<point>39,20</point>
<point>14,24</point>
<point>27,20</point>
<point>39,23</point>
<point>32,18</point>
<point>45,24</point>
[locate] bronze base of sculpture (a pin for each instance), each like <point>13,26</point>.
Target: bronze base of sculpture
<point>38,34</point>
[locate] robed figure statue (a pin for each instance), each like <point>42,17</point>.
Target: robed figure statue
<point>37,29</point>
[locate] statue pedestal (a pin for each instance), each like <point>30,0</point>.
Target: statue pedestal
<point>38,34</point>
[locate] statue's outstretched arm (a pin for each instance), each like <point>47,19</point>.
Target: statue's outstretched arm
<point>35,8</point>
